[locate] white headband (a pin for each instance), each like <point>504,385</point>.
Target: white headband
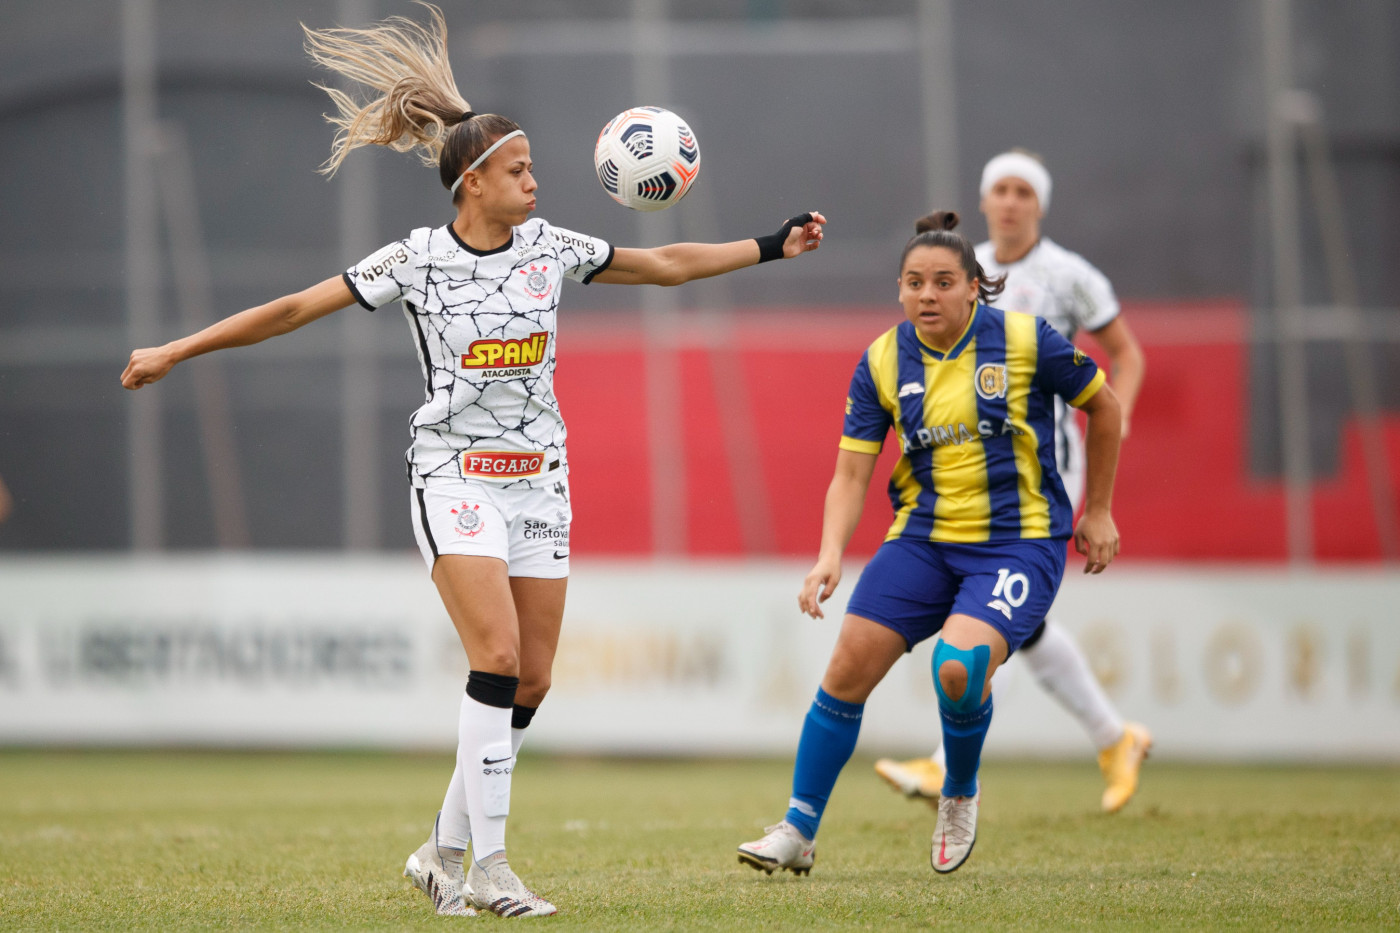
<point>1018,165</point>
<point>482,158</point>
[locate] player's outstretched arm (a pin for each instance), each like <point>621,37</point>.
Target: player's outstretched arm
<point>254,325</point>
<point>844,499</point>
<point>679,263</point>
<point>1096,536</point>
<point>1126,363</point>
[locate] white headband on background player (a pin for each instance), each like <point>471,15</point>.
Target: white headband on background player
<point>482,158</point>
<point>1018,165</point>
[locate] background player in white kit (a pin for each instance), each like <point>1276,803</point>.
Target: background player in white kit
<point>488,466</point>
<point>1045,279</point>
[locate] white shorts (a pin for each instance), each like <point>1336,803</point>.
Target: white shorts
<point>526,528</point>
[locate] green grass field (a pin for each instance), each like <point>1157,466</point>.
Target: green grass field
<point>179,840</point>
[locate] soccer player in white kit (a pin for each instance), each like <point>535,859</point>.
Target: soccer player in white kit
<point>1047,280</point>
<point>488,466</point>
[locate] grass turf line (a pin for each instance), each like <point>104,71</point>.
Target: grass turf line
<point>151,840</point>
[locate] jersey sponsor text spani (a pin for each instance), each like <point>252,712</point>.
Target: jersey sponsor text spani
<point>494,354</point>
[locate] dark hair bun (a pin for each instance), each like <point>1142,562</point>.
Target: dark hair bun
<point>938,220</point>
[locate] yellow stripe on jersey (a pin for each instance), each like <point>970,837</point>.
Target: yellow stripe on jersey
<point>962,511</point>
<point>902,478</point>
<point>1090,390</point>
<point>1022,349</point>
<point>884,369</point>
<point>859,446</point>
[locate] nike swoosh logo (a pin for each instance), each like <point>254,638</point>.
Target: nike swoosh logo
<point>494,761</point>
<point>943,852</point>
<point>558,556</point>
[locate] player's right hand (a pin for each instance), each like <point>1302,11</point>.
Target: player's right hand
<point>818,586</point>
<point>1096,537</point>
<point>147,366</point>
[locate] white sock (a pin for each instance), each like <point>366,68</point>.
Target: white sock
<point>454,829</point>
<point>517,738</point>
<point>1061,668</point>
<point>485,758</point>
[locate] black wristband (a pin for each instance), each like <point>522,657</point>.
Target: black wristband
<point>771,246</point>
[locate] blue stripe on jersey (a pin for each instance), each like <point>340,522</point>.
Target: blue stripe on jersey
<point>1040,409</point>
<point>1002,479</point>
<point>911,418</point>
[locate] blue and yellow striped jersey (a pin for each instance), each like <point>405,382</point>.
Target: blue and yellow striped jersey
<point>976,424</point>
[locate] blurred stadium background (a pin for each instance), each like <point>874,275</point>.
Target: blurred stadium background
<point>226,559</point>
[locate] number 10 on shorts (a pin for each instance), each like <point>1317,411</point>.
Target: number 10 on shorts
<point>1010,592</point>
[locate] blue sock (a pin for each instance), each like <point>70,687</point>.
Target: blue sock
<point>963,735</point>
<point>828,738</point>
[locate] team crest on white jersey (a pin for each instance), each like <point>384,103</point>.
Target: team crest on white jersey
<point>536,284</point>
<point>469,520</point>
<point>991,381</point>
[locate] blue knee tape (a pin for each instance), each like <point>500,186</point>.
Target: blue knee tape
<point>976,662</point>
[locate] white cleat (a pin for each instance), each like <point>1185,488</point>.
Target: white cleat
<point>494,887</point>
<point>429,875</point>
<point>782,847</point>
<point>955,833</point>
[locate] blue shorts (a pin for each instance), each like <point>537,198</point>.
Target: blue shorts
<point>912,586</point>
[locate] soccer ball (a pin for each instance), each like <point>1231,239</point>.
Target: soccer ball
<point>647,158</point>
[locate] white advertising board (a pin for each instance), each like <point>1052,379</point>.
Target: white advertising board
<point>656,658</point>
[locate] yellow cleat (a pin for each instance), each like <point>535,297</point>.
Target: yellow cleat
<point>921,778</point>
<point>1120,764</point>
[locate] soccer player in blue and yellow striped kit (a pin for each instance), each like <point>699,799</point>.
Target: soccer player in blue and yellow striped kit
<point>977,548</point>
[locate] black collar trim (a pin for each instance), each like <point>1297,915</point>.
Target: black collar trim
<point>481,252</point>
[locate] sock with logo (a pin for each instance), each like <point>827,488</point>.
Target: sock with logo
<point>485,758</point>
<point>963,735</point>
<point>828,739</point>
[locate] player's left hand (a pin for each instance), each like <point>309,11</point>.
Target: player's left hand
<point>805,237</point>
<point>818,585</point>
<point>1096,537</point>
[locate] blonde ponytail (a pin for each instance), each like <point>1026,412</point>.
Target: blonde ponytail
<point>406,64</point>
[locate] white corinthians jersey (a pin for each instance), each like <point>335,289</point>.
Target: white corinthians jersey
<point>1053,283</point>
<point>484,324</point>
<point>1062,287</point>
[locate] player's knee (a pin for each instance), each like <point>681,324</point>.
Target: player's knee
<point>953,678</point>
<point>846,678</point>
<point>503,658</point>
<point>960,676</point>
<point>533,687</point>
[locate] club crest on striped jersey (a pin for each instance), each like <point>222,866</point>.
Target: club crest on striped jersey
<point>991,381</point>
